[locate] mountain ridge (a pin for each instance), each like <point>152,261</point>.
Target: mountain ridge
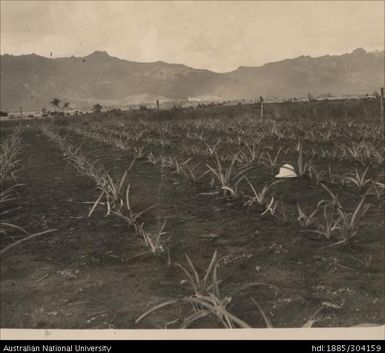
<point>32,80</point>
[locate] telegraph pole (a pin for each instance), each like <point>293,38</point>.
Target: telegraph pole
<point>382,105</point>
<point>310,105</point>
<point>261,105</point>
<point>382,119</point>
<point>21,116</point>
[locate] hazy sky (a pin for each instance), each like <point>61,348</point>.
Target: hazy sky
<point>215,35</point>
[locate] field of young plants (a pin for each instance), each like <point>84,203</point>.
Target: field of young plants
<point>183,224</point>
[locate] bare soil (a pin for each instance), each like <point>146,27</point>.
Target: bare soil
<point>93,272</point>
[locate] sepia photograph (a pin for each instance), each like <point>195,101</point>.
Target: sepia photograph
<point>170,165</point>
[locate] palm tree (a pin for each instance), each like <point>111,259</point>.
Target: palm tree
<point>55,102</point>
<point>97,108</point>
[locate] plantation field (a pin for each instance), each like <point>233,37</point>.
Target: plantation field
<point>125,201</point>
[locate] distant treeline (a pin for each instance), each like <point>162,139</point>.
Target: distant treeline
<point>356,109</point>
<point>359,109</point>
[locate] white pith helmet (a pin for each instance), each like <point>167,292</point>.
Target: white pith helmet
<point>286,171</point>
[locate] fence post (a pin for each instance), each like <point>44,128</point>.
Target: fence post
<point>261,106</point>
<point>310,105</point>
<point>21,116</point>
<point>157,105</point>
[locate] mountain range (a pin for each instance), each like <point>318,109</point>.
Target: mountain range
<point>32,81</point>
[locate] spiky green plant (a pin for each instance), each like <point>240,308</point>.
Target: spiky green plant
<point>9,151</point>
<point>155,241</point>
<point>185,171</point>
<point>330,222</point>
<point>260,196</point>
<point>271,207</point>
<point>207,298</point>
<point>348,224</point>
<point>271,161</point>
<point>212,148</point>
<point>7,197</point>
<point>302,166</point>
<point>309,323</point>
<point>306,220</point>
<point>227,178</point>
<point>359,180</point>
<point>315,175</point>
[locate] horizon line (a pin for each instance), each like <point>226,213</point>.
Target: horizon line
<point>202,69</point>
